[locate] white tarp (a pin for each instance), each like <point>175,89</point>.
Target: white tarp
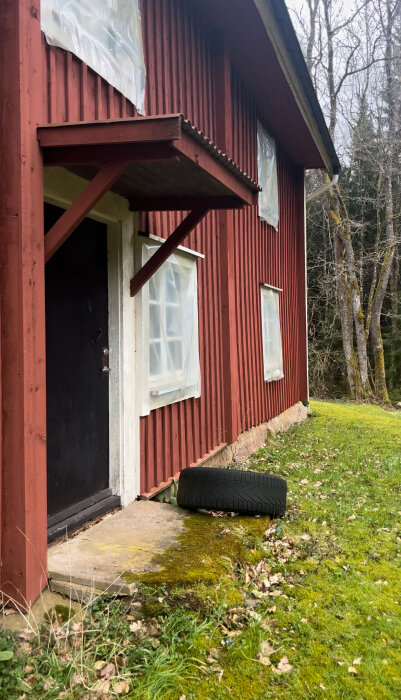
<point>170,344</point>
<point>271,334</point>
<point>267,177</point>
<point>105,34</point>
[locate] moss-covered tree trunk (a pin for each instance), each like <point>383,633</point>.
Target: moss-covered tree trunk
<point>349,301</point>
<point>388,14</point>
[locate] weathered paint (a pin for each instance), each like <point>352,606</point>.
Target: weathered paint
<point>187,72</point>
<point>23,554</point>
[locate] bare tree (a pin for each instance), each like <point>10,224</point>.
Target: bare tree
<point>351,56</point>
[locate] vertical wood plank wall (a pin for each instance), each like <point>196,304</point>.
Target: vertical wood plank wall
<point>179,54</point>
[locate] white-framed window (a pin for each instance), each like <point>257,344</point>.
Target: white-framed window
<point>170,341</point>
<point>271,333</point>
<point>267,177</point>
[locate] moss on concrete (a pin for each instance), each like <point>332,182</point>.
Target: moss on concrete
<point>207,549</point>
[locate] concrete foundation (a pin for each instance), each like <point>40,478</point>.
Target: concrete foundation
<point>123,543</point>
<point>254,438</point>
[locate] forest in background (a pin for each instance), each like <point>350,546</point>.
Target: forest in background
<point>353,53</point>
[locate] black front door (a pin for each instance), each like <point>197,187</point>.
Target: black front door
<point>77,390</point>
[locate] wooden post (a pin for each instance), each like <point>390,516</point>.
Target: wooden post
<point>226,243</point>
<point>24,509</point>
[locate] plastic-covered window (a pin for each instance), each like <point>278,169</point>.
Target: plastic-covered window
<point>106,35</point>
<point>267,177</point>
<point>170,345</point>
<point>271,334</point>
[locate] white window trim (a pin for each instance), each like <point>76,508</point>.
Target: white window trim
<point>280,370</point>
<point>181,248</point>
<point>154,393</point>
<point>270,286</point>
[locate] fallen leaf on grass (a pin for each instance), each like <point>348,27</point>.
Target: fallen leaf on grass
<point>352,670</point>
<point>121,687</point>
<point>265,651</point>
<point>357,661</point>
<point>26,635</point>
<point>119,661</point>
<point>77,679</point>
<point>323,687</point>
<point>306,538</point>
<point>283,666</point>
<point>135,626</point>
<point>351,517</point>
<point>102,688</point>
<point>109,671</point>
<point>99,665</point>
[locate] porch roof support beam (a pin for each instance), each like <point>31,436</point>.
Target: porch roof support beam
<point>166,249</point>
<point>82,205</point>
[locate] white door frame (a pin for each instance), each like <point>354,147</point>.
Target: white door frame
<point>61,188</point>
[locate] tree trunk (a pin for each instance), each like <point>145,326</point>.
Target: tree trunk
<point>345,310</point>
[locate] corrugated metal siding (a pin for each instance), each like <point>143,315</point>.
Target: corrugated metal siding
<point>181,79</point>
<point>274,257</point>
<point>180,66</point>
<point>73,92</point>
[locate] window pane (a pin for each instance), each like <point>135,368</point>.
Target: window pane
<point>155,362</point>
<point>173,321</point>
<point>154,322</point>
<point>267,177</point>
<point>174,349</point>
<point>171,286</point>
<point>154,289</point>
<point>271,334</point>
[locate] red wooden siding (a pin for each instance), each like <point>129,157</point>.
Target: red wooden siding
<point>277,258</point>
<point>180,57</point>
<point>180,66</point>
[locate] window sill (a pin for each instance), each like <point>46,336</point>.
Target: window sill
<point>274,379</point>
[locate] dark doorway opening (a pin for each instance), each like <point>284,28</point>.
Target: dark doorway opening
<point>77,378</point>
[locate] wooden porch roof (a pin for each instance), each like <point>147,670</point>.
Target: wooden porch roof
<point>170,165</point>
<point>158,163</point>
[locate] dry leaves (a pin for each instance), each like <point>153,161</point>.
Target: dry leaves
<point>121,687</point>
<point>283,666</point>
<point>108,671</point>
<point>352,670</point>
<point>265,652</point>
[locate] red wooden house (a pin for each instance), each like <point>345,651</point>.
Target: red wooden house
<point>152,268</point>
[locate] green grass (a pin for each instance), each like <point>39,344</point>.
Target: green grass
<point>205,617</point>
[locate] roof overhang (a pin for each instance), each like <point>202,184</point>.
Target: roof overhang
<point>158,163</point>
<point>169,165</point>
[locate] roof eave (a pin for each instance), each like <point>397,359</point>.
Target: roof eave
<point>281,33</point>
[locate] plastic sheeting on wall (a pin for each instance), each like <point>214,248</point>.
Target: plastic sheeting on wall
<point>170,343</point>
<point>271,334</point>
<point>106,35</point>
<point>267,177</point>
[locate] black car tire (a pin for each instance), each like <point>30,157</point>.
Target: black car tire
<point>232,490</point>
